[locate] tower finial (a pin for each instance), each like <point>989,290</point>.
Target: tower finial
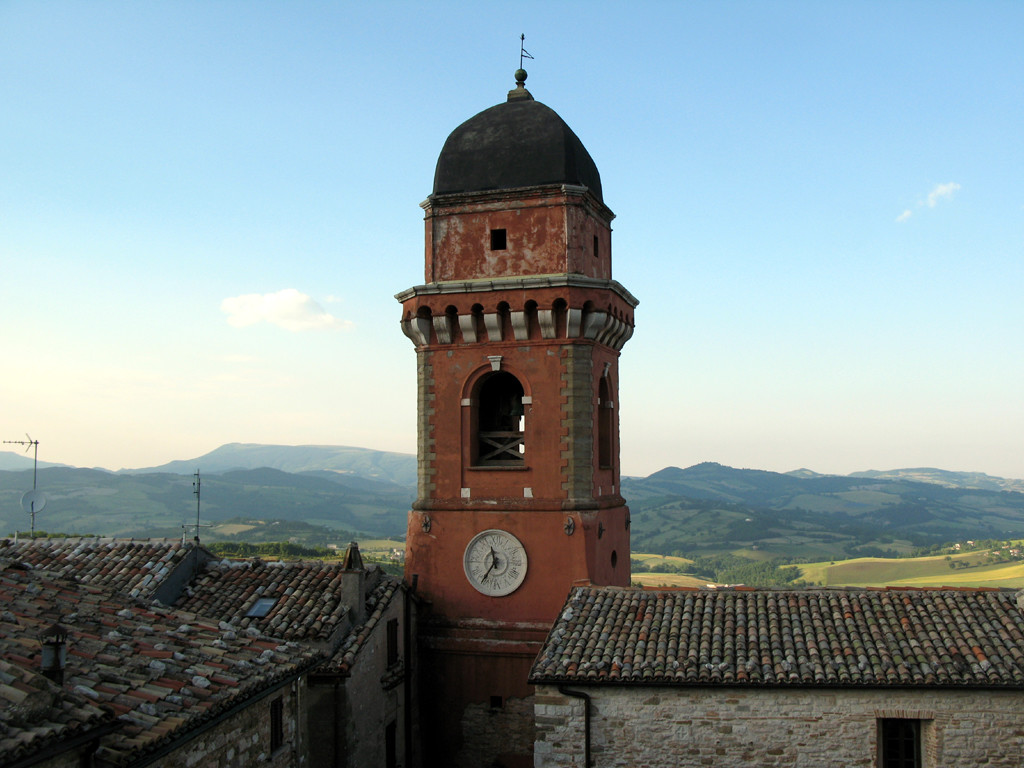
<point>520,92</point>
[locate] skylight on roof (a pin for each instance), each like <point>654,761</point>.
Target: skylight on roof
<point>261,607</point>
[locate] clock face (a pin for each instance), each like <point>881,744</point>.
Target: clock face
<point>495,563</point>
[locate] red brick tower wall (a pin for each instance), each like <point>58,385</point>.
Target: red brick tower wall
<point>517,332</point>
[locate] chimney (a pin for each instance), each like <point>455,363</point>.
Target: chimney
<point>353,584</point>
<point>54,640</point>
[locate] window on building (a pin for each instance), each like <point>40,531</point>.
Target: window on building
<point>392,642</point>
<point>261,607</point>
<point>391,745</point>
<point>498,240</point>
<point>596,244</point>
<point>899,743</point>
<point>276,724</point>
<point>500,421</point>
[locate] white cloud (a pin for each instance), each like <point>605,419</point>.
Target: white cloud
<point>941,191</point>
<point>289,309</point>
<point>904,216</point>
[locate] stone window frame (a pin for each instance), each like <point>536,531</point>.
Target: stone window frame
<point>920,724</point>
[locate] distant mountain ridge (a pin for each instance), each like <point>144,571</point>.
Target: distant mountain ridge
<point>978,480</point>
<point>707,507</point>
<point>397,468</point>
<point>391,467</point>
<point>804,514</point>
<point>401,467</point>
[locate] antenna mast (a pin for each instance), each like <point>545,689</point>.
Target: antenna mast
<point>32,501</point>
<point>196,485</point>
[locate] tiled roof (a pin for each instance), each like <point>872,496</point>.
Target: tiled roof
<point>307,597</point>
<point>826,637</point>
<point>131,567</point>
<point>36,713</point>
<point>161,671</point>
<point>377,603</point>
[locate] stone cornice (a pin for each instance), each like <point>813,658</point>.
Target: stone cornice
<point>517,283</point>
<point>502,196</point>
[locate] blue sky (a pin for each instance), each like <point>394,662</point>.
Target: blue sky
<point>207,207</point>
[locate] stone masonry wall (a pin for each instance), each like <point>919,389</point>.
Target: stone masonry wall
<point>504,732</point>
<point>681,727</point>
<point>243,739</point>
<point>425,424</point>
<point>577,393</point>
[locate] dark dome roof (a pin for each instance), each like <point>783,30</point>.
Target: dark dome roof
<point>519,143</point>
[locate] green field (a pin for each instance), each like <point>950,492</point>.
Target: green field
<point>934,571</point>
<point>651,560</point>
<point>963,569</point>
<point>668,580</point>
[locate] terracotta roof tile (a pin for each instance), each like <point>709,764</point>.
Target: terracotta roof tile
<point>109,671</point>
<point>132,567</point>
<point>162,670</point>
<point>307,596</point>
<point>827,637</point>
<point>379,600</point>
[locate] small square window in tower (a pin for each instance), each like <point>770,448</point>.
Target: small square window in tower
<point>499,241</point>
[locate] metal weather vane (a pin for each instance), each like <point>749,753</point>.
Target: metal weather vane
<point>522,50</point>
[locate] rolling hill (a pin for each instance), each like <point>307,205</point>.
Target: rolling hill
<point>702,510</point>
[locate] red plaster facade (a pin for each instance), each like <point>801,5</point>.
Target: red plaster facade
<point>517,332</point>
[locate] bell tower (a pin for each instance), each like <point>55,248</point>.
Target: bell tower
<point>517,328</point>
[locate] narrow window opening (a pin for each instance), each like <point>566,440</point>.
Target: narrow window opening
<point>276,724</point>
<point>501,421</point>
<point>391,745</point>
<point>498,240</point>
<point>392,642</point>
<point>899,741</point>
<point>596,245</point>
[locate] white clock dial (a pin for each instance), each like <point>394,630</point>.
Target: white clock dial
<point>495,563</point>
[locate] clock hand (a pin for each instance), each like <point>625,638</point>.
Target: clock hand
<point>494,562</point>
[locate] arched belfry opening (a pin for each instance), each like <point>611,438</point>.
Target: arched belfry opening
<point>500,421</point>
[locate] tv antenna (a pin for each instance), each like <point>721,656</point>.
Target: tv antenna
<point>196,486</point>
<point>32,501</point>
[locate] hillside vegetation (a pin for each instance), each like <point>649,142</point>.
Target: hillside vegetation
<point>728,525</point>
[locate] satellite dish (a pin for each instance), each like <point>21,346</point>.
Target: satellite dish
<point>33,501</point>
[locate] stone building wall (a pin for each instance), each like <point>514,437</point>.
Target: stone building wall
<point>375,698</point>
<point>838,728</point>
<point>244,738</point>
<point>350,713</point>
<point>507,733</point>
